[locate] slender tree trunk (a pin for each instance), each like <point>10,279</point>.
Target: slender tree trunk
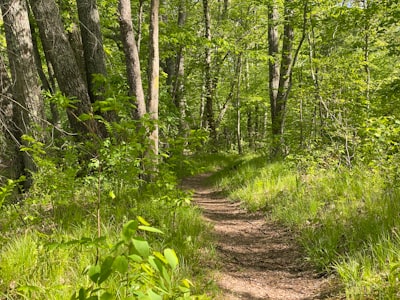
<point>179,85</point>
<point>154,71</point>
<point>140,25</point>
<point>29,108</point>
<point>208,109</point>
<point>273,50</point>
<point>366,50</point>
<point>285,70</point>
<point>238,105</point>
<point>131,58</point>
<point>66,68</point>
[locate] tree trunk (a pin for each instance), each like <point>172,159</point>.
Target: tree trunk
<point>154,71</point>
<point>66,69</point>
<point>131,58</point>
<point>179,85</point>
<point>280,77</point>
<point>29,108</point>
<point>238,105</point>
<point>11,160</point>
<point>208,84</point>
<point>92,42</point>
<point>273,50</point>
<point>95,60</point>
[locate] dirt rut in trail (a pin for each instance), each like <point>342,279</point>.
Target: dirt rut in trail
<point>258,259</point>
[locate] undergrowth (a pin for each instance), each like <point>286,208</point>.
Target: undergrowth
<point>67,237</point>
<point>346,218</point>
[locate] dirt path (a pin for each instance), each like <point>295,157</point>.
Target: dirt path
<point>259,259</point>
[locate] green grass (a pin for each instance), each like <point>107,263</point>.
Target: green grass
<point>38,262</point>
<point>346,220</point>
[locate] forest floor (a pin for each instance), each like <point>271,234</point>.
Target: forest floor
<point>258,259</point>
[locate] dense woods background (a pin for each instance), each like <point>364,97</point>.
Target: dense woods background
<point>103,103</point>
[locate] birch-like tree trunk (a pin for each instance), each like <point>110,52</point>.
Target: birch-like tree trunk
<point>154,73</point>
<point>131,58</point>
<point>208,82</point>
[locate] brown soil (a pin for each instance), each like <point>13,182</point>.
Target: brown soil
<point>259,259</point>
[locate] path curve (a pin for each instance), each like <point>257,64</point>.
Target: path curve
<point>258,259</point>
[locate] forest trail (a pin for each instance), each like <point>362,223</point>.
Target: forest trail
<point>258,259</point>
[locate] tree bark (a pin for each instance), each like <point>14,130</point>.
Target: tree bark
<point>179,85</point>
<point>95,60</point>
<point>238,105</point>
<point>131,58</point>
<point>92,42</point>
<point>29,107</point>
<point>208,84</point>
<point>66,69</point>
<point>11,160</point>
<point>273,65</point>
<point>154,73</point>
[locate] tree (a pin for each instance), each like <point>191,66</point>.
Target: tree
<point>154,73</point>
<point>59,51</point>
<point>132,60</point>
<point>28,108</point>
<point>94,56</point>
<point>208,82</point>
<point>281,71</point>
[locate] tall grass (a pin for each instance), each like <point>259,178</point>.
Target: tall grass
<point>346,219</point>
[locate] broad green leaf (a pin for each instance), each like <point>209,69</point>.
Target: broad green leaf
<point>171,257</point>
<point>142,247</point>
<point>106,269</point>
<point>150,229</point>
<point>120,264</point>
<point>129,229</point>
<point>136,258</point>
<point>94,273</point>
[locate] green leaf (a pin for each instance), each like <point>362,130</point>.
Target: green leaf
<point>85,117</point>
<point>142,247</point>
<point>106,296</point>
<point>156,264</point>
<point>82,294</point>
<point>129,229</point>
<point>153,295</point>
<point>171,257</point>
<point>143,221</point>
<point>121,264</point>
<point>106,269</point>
<point>150,229</point>
<point>160,256</point>
<point>136,258</point>
<point>94,273</point>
